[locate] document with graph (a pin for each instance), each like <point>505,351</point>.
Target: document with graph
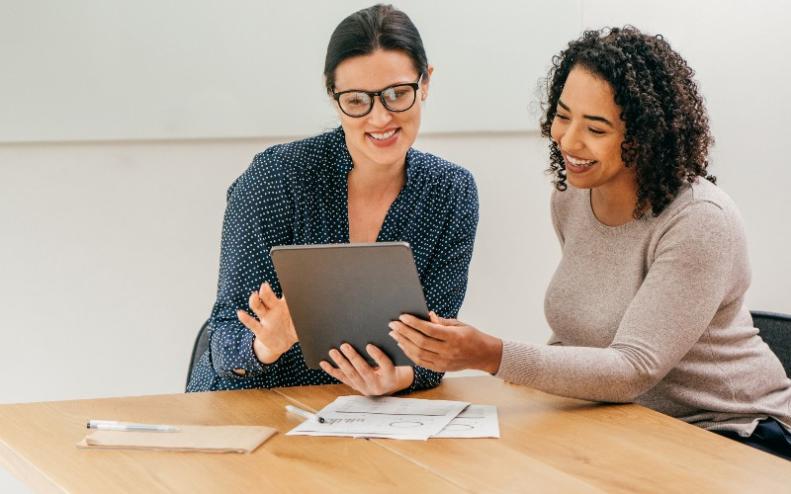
<point>474,421</point>
<point>382,417</point>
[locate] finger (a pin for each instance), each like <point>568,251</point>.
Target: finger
<point>332,371</point>
<point>256,305</point>
<point>421,358</point>
<point>381,359</point>
<point>360,364</point>
<point>347,369</point>
<point>444,322</point>
<point>413,351</point>
<point>267,296</point>
<point>249,321</point>
<point>436,331</point>
<point>415,354</point>
<point>416,337</point>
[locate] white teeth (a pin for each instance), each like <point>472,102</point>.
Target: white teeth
<point>382,135</point>
<point>579,162</point>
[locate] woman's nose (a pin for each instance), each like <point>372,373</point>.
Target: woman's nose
<point>379,115</point>
<point>571,139</point>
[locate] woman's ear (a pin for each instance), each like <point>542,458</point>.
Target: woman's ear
<point>425,83</point>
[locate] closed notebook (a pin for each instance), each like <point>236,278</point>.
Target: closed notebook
<point>200,438</point>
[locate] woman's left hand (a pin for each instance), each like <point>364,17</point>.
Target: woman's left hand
<point>446,344</point>
<point>353,370</point>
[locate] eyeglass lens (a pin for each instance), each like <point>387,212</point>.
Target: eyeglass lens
<point>395,98</point>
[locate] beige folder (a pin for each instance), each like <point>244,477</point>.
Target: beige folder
<point>200,438</point>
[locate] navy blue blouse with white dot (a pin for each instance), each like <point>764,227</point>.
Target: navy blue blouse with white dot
<point>295,194</point>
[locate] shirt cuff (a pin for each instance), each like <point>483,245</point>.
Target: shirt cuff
<point>254,368</point>
<point>423,379</point>
<point>247,359</point>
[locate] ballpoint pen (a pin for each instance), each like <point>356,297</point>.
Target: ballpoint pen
<point>305,413</point>
<point>112,425</point>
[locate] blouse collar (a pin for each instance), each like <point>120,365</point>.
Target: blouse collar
<point>343,159</point>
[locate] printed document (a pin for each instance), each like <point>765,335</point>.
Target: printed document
<point>474,421</point>
<point>382,417</point>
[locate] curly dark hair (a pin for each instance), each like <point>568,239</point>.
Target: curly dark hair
<point>667,128</point>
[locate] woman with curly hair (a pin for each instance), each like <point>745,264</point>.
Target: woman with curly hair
<point>647,303</point>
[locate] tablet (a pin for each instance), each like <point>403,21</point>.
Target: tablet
<point>348,293</point>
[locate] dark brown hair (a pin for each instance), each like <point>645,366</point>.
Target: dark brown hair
<point>365,31</point>
<point>667,135</point>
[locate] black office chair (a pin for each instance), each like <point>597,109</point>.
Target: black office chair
<point>200,346</point>
<point>775,330</point>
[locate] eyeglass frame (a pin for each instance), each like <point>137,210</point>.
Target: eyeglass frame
<point>372,94</point>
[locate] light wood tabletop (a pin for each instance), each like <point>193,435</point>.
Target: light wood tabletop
<point>547,444</point>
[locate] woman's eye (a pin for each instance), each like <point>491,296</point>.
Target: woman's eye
<point>562,117</point>
<point>596,131</point>
<point>394,94</point>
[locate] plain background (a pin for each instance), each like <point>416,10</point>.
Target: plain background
<point>109,251</point>
<point>109,229</point>
<point>150,69</point>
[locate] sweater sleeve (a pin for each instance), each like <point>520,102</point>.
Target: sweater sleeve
<point>677,300</point>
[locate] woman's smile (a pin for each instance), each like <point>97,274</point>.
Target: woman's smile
<point>577,165</point>
<point>384,138</point>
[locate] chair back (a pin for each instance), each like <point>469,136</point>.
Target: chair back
<point>200,346</point>
<point>775,330</point>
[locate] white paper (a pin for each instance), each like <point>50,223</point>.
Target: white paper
<point>474,421</point>
<point>382,417</point>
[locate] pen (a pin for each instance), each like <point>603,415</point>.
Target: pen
<point>304,413</point>
<point>112,425</point>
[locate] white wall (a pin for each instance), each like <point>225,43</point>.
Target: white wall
<point>115,69</point>
<point>109,250</point>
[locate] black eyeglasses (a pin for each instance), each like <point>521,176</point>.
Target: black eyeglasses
<point>396,98</point>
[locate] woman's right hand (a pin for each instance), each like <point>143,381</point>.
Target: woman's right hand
<point>273,328</point>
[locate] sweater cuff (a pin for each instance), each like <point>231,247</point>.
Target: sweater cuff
<point>519,363</point>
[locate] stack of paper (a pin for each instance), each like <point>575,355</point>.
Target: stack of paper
<point>401,418</point>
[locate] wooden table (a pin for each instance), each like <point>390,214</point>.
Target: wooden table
<point>547,444</point>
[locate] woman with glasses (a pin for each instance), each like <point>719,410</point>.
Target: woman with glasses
<point>362,182</point>
<point>647,303</point>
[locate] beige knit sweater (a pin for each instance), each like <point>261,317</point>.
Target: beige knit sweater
<point>653,312</point>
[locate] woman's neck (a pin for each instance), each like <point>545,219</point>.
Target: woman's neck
<point>374,180</point>
<point>613,204</point>
<point>371,191</point>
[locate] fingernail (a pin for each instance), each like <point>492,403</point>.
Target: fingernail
<point>391,325</point>
<point>346,347</point>
<point>392,335</point>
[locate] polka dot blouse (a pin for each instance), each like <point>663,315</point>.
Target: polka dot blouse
<point>295,194</point>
